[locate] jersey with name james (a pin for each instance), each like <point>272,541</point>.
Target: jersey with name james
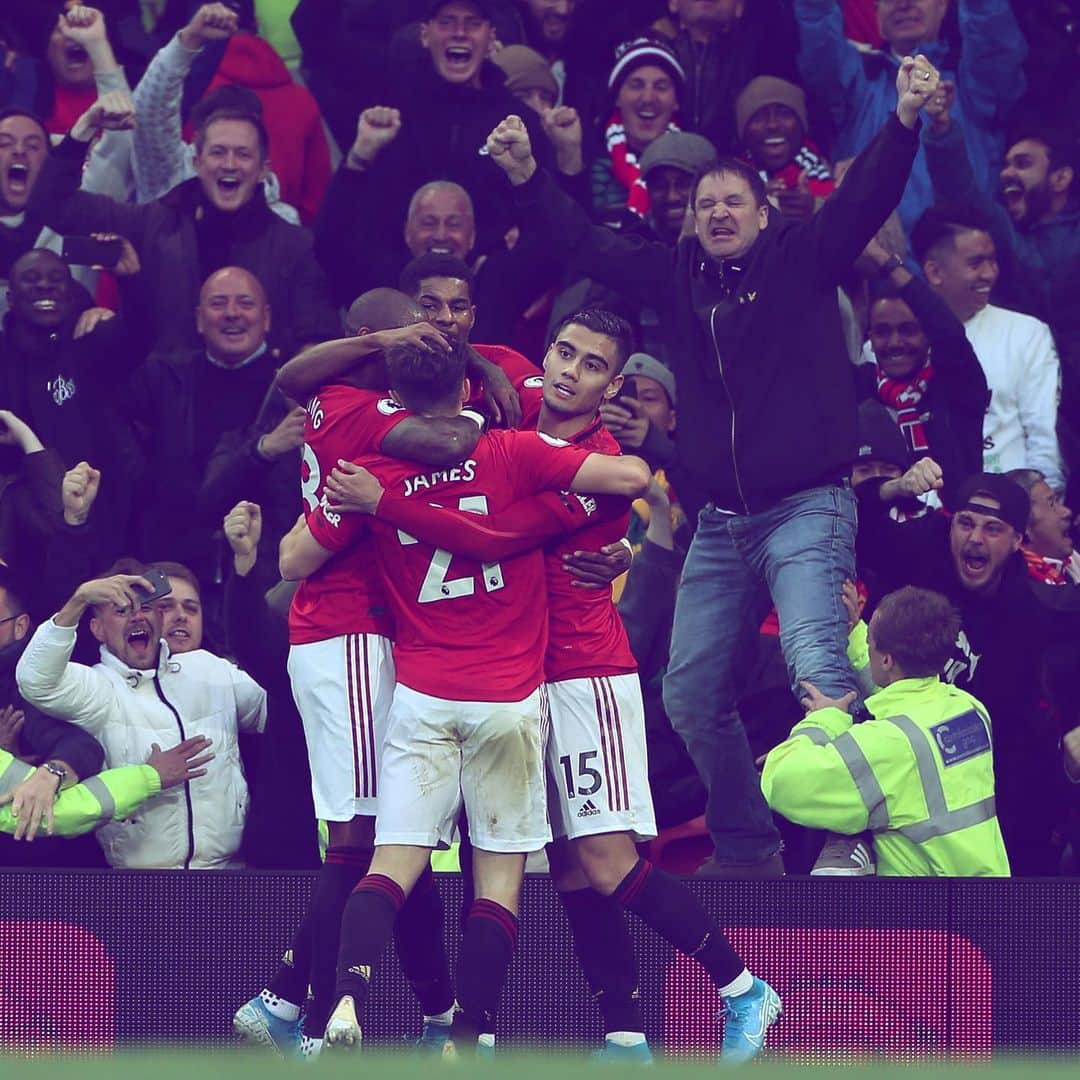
<point>467,631</point>
<point>345,595</point>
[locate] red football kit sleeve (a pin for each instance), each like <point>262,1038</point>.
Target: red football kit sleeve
<point>345,595</point>
<point>466,630</point>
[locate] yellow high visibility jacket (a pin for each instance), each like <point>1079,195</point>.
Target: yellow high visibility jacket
<point>920,776</point>
<point>110,796</point>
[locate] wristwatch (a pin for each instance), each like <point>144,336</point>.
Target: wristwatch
<point>56,769</point>
<point>893,262</point>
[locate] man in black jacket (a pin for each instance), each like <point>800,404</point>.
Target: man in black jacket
<point>766,429</point>
<point>67,754</point>
<point>218,218</point>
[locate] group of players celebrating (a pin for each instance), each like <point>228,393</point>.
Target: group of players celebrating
<point>450,675</point>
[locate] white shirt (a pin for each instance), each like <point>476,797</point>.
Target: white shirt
<point>1023,372</point>
<point>199,824</point>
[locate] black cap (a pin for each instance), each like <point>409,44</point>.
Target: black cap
<point>1013,502</point>
<point>485,8</point>
<point>879,437</point>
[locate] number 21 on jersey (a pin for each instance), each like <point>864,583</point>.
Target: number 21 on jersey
<point>436,586</point>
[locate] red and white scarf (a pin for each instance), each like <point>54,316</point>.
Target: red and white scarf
<point>1043,568</point>
<point>904,396</point>
<point>624,164</point>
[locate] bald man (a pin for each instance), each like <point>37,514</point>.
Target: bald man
<point>209,420</point>
<point>441,221</point>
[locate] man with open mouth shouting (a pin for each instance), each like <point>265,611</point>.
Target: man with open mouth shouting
<point>141,695</point>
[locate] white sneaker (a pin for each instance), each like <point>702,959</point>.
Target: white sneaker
<point>845,856</point>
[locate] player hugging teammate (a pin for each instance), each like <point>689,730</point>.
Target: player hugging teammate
<point>500,664</point>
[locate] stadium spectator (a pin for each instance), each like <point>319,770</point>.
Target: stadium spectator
<point>645,86</point>
<point>919,773</point>
<point>764,288</point>
<point>1048,547</point>
<point>1017,353</point>
<point>181,610</point>
<point>72,66</point>
<point>548,30</point>
<point>210,420</point>
<point>528,77</point>
<point>722,45</point>
<point>668,168</point>
<point>161,156</point>
<point>138,695</point>
<point>773,128</point>
<point>24,146</point>
<point>1006,628</point>
<point>30,478</point>
<point>298,147</point>
<point>857,86</point>
<point>217,219</point>
<point>920,365</point>
<point>63,753</point>
<point>642,417</point>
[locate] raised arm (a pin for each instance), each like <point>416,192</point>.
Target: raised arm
<point>1038,392</point>
<point>831,66</point>
<point>992,53</point>
<point>160,160</point>
<point>873,185</point>
<point>639,269</point>
<point>56,198</point>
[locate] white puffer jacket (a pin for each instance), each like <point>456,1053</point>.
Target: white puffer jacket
<point>197,826</point>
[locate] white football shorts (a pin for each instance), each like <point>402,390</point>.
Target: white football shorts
<point>488,755</point>
<point>343,688</point>
<point>598,764</point>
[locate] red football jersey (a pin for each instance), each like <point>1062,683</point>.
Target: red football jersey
<point>345,595</point>
<point>586,637</point>
<point>517,369</point>
<point>465,630</point>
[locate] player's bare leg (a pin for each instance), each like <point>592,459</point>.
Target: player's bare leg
<point>366,926</point>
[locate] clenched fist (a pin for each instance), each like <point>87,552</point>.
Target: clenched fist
<point>509,147</point>
<point>925,475</point>
<point>78,492</point>
<point>376,129</point>
<point>82,24</point>
<point>243,529</point>
<point>563,128</point>
<point>212,22</point>
<point>114,111</point>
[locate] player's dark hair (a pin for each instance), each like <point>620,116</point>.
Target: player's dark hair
<point>918,628</point>
<point>242,114</point>
<point>178,571</point>
<point>382,309</point>
<point>732,166</point>
<point>423,378</point>
<point>939,227</point>
<point>434,265</point>
<point>607,323</point>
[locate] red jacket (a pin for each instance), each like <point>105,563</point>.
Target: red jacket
<point>299,154</point>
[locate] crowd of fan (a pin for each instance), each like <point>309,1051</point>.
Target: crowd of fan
<point>190,195</point>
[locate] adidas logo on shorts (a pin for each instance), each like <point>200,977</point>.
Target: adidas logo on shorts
<point>588,809</point>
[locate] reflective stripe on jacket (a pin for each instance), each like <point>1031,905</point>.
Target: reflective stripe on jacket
<point>109,796</point>
<point>920,776</point>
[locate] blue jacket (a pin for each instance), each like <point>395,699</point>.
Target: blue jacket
<point>859,88</point>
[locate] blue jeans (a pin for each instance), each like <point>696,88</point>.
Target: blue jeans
<point>802,549</point>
